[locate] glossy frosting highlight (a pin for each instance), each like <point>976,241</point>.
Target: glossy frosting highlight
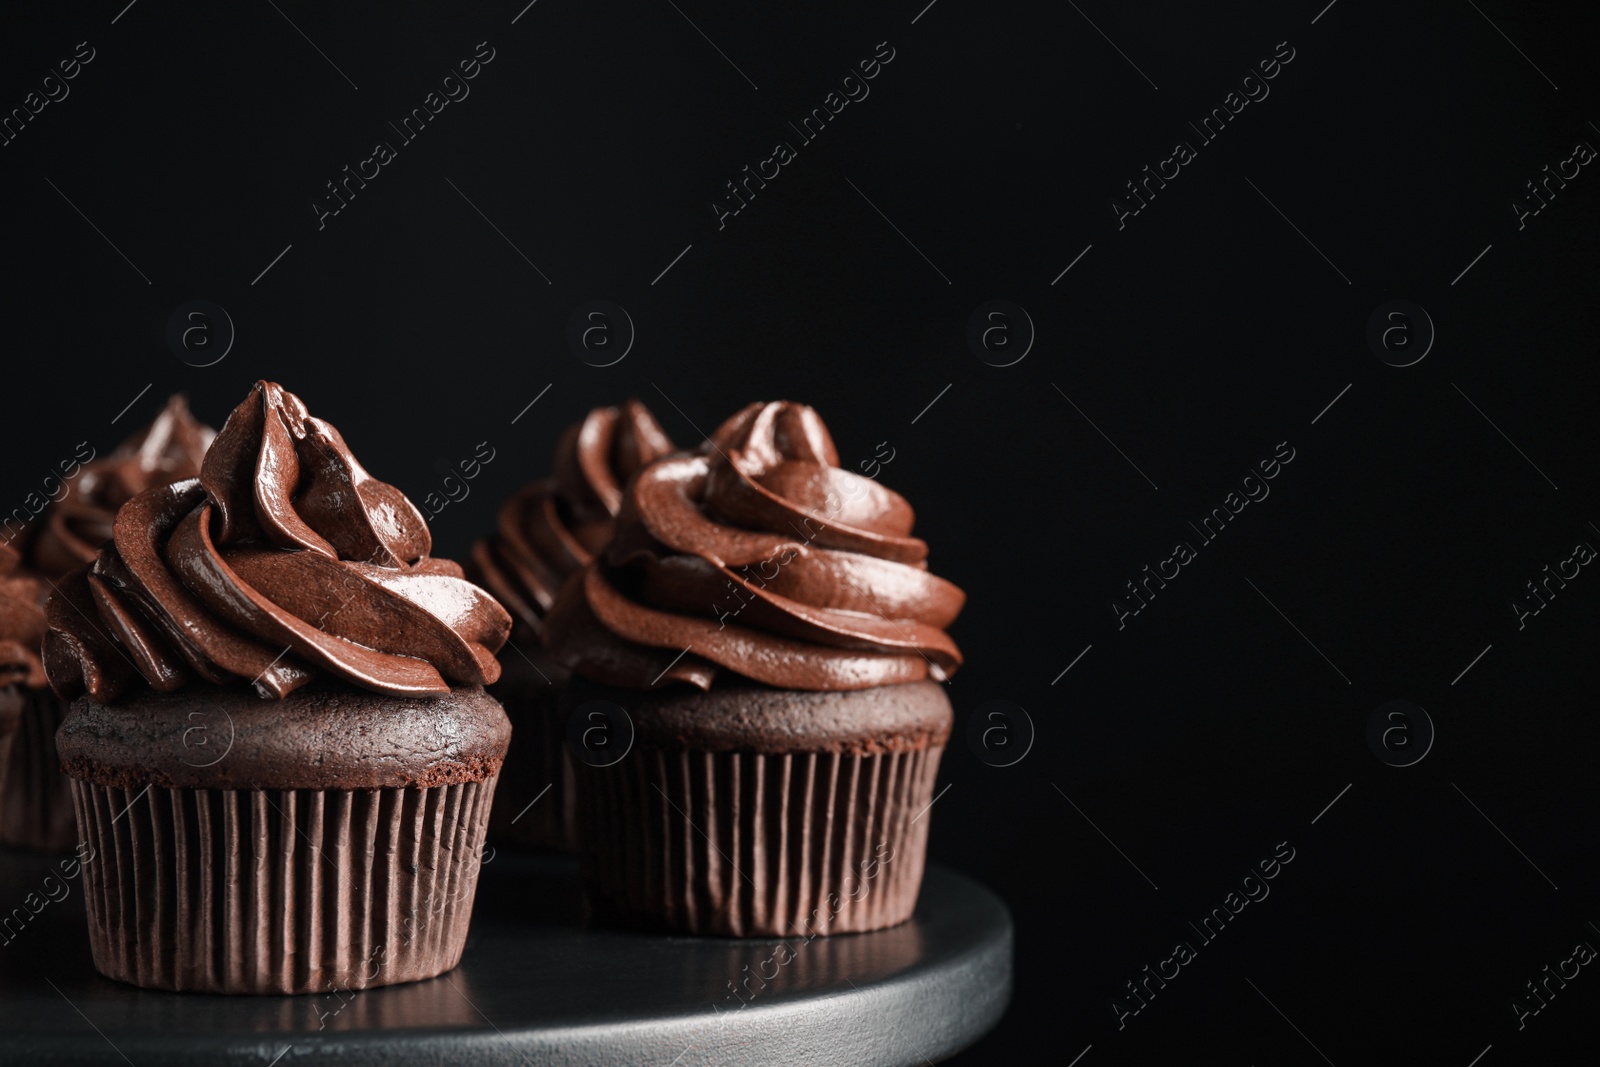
<point>759,556</point>
<point>552,528</point>
<point>283,561</point>
<point>73,529</point>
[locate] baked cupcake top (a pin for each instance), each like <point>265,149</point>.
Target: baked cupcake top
<point>552,528</point>
<point>282,562</point>
<point>73,529</point>
<point>21,622</point>
<point>759,556</point>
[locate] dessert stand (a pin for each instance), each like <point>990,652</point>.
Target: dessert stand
<point>538,986</point>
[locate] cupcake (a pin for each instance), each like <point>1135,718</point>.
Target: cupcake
<point>73,528</point>
<point>544,534</point>
<point>35,800</point>
<point>279,743</point>
<point>771,632</point>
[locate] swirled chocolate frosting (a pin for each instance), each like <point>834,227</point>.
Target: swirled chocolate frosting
<point>760,557</point>
<point>74,528</point>
<point>551,528</point>
<point>283,561</point>
<point>21,622</point>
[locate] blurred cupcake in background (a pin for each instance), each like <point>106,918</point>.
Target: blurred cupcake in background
<point>770,629</point>
<point>545,533</point>
<point>73,528</point>
<point>35,800</point>
<point>22,680</point>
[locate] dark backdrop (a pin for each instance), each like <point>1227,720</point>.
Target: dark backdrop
<point>1186,344</point>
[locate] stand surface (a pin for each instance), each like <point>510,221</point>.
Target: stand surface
<point>537,986</point>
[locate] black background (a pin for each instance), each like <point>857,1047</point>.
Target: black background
<point>1197,338</point>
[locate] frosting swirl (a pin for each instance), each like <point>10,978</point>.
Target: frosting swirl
<point>75,527</point>
<point>758,555</point>
<point>552,528</point>
<point>21,622</point>
<point>283,561</point>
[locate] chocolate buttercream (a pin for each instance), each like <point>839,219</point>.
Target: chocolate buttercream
<point>73,529</point>
<point>283,561</point>
<point>552,528</point>
<point>758,555</point>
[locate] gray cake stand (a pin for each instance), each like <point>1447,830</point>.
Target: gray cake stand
<point>539,985</point>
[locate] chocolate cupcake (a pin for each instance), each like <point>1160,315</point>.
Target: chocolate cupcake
<point>770,627</point>
<point>73,528</point>
<point>35,800</point>
<point>544,534</point>
<point>279,743</point>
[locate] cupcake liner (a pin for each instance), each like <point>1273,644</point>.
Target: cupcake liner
<point>280,891</point>
<point>11,702</point>
<point>536,803</point>
<point>747,844</point>
<point>35,797</point>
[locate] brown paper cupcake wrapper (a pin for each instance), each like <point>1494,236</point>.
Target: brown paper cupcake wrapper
<point>35,797</point>
<point>280,891</point>
<point>750,845</point>
<point>536,803</point>
<point>11,708</point>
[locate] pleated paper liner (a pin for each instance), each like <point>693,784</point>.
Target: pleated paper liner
<point>536,803</point>
<point>280,891</point>
<point>35,797</point>
<point>12,699</point>
<point>751,845</point>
